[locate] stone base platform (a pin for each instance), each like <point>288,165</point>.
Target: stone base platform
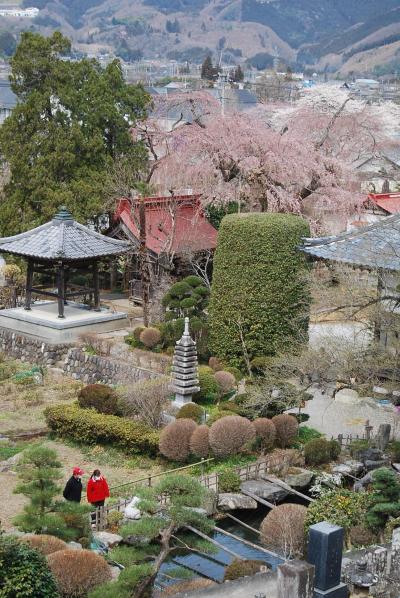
<point>42,321</point>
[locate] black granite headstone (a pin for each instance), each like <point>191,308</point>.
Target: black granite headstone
<point>325,547</point>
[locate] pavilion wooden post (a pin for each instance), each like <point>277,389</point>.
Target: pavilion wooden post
<point>29,281</point>
<point>96,286</point>
<point>60,290</point>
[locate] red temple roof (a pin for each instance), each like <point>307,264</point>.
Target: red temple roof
<point>389,202</point>
<point>173,224</point>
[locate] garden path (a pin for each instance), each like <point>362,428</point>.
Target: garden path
<point>117,471</point>
<point>333,417</point>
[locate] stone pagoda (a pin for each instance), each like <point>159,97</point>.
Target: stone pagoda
<point>185,381</point>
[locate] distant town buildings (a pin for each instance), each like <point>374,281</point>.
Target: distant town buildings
<point>16,11</point>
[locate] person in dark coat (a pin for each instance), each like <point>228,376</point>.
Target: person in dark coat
<point>73,488</point>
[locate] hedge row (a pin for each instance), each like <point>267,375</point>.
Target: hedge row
<point>90,427</point>
<point>259,297</point>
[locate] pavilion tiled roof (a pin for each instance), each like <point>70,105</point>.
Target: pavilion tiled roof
<point>62,239</point>
<point>372,247</point>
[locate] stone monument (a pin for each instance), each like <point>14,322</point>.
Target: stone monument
<point>325,547</point>
<point>185,381</point>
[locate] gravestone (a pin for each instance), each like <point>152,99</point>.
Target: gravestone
<point>383,436</point>
<point>325,547</point>
<point>295,580</point>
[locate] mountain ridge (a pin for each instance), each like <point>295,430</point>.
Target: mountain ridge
<point>324,34</point>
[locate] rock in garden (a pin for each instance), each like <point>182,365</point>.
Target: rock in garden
<point>115,572</point>
<point>351,467</point>
<point>380,390</point>
<point>229,501</point>
<point>300,478</point>
<point>107,538</point>
<point>131,511</point>
<point>369,454</point>
<point>370,465</point>
<point>10,462</point>
<point>266,490</point>
<point>347,396</point>
<point>74,545</point>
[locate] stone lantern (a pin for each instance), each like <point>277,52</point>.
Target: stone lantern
<point>185,381</point>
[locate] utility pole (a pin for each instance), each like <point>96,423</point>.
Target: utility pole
<point>221,87</point>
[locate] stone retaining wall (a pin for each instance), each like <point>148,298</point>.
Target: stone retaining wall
<point>31,350</point>
<point>93,368</point>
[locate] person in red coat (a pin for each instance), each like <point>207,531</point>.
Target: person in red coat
<point>97,489</point>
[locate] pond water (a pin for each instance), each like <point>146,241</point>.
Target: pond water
<point>213,565</point>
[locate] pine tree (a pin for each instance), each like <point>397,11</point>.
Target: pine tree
<point>385,498</point>
<point>159,525</point>
<point>239,74</point>
<point>73,121</point>
<point>38,472</point>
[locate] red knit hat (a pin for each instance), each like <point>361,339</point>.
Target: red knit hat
<point>77,471</point>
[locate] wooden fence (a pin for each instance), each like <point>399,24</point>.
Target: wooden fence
<point>275,463</point>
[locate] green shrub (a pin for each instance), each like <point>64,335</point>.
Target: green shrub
<point>340,507</point>
<point>89,427</point>
<point>385,498</point>
<point>258,297</point>
<point>127,581</point>
<point>228,481</point>
<point>394,449</point>
<point>240,568</point>
<point>320,450</point>
<point>208,385</point>
<point>188,297</point>
<point>305,434</point>
<point>24,572</point>
<point>100,397</point>
<point>191,411</point>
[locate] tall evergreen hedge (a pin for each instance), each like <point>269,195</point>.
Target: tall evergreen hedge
<point>259,297</point>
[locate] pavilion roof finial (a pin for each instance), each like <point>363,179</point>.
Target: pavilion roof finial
<point>63,214</point>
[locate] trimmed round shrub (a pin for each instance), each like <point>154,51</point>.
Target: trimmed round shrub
<point>175,439</point>
<point>199,442</point>
<point>320,450</point>
<point>24,572</point>
<point>226,381</point>
<point>150,337</point>
<point>78,571</point>
<point>361,536</point>
<point>265,431</point>
<point>208,385</point>
<point>286,427</point>
<point>258,289</point>
<point>137,332</point>
<point>191,411</point>
<point>228,481</point>
<point>229,434</point>
<point>282,530</point>
<point>44,543</point>
<point>236,372</point>
<point>240,568</point>
<point>100,397</point>
<point>215,364</point>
